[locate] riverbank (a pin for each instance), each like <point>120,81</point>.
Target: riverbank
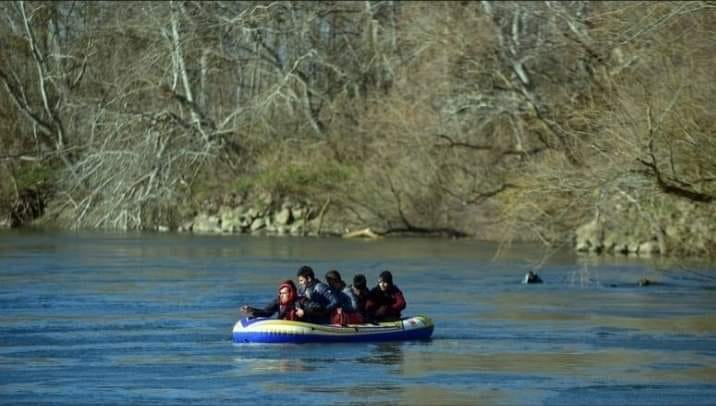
<point>442,120</point>
<point>619,226</point>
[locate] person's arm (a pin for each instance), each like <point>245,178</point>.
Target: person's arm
<point>311,307</point>
<point>267,311</point>
<point>354,300</point>
<point>371,302</point>
<point>331,299</point>
<point>398,302</point>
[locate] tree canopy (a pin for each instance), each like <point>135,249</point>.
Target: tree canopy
<point>488,119</point>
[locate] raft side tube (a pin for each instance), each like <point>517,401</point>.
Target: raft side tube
<point>284,331</point>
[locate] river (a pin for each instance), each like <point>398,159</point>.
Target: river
<point>146,318</point>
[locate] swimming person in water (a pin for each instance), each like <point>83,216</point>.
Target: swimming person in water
<point>385,301</point>
<point>285,304</point>
<point>531,277</point>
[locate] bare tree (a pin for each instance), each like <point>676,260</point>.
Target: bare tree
<point>41,38</point>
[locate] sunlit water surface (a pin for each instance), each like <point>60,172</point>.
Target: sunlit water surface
<point>88,318</point>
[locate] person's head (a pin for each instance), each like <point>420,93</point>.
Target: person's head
<point>333,279</point>
<point>305,276</point>
<point>286,292</point>
<point>359,282</point>
<point>385,280</point>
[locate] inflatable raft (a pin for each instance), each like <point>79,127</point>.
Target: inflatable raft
<point>262,330</point>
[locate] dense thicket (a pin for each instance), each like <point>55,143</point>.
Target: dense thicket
<point>492,119</point>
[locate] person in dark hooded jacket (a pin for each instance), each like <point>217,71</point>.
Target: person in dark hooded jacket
<point>347,310</point>
<point>285,304</point>
<point>386,301</point>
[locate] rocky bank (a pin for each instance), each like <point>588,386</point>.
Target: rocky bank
<point>670,227</point>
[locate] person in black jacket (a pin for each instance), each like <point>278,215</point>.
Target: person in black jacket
<point>361,292</point>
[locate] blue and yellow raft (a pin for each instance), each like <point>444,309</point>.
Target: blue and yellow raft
<point>263,330</point>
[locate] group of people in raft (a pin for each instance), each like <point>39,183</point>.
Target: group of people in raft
<point>333,302</point>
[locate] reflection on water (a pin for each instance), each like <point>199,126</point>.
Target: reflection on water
<point>435,395</point>
<point>566,361</point>
<point>384,354</point>
<point>262,366</point>
<point>633,309</point>
<point>146,318</point>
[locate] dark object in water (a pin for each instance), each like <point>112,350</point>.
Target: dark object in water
<point>531,277</point>
<point>641,283</point>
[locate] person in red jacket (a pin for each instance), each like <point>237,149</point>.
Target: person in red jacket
<point>284,304</point>
<point>385,301</point>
